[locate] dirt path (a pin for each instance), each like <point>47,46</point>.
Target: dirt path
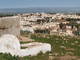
<point>25,39</point>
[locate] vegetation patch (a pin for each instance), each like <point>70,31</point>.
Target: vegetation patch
<point>8,57</point>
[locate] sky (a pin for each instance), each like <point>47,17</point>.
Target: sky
<point>38,3</point>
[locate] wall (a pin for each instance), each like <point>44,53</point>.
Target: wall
<point>10,25</point>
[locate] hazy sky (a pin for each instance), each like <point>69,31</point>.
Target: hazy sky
<point>38,3</point>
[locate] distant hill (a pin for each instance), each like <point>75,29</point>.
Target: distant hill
<point>46,10</point>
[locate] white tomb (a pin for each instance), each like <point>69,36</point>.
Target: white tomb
<point>10,44</point>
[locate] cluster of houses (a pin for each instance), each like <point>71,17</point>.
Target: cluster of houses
<point>60,24</point>
<point>54,24</point>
